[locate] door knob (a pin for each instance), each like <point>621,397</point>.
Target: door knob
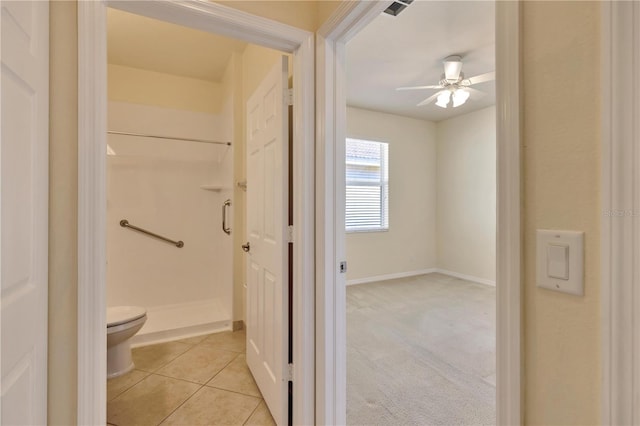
<point>246,247</point>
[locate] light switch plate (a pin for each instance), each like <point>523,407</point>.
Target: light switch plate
<point>549,268</point>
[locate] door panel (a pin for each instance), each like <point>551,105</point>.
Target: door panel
<point>267,220</point>
<point>24,143</point>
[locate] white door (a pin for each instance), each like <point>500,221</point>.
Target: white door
<point>267,222</point>
<point>24,160</point>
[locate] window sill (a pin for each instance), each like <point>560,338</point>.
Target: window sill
<point>361,231</point>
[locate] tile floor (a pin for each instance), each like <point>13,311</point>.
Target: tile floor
<point>197,381</point>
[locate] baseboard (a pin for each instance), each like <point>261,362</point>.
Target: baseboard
<point>421,272</point>
<point>465,277</point>
<point>238,325</point>
<point>164,336</point>
<point>390,276</point>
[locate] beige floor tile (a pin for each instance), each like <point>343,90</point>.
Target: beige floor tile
<point>150,401</point>
<point>120,384</point>
<point>193,340</point>
<point>198,364</point>
<point>229,340</point>
<point>211,406</point>
<point>154,357</point>
<point>236,377</point>
<point>261,417</point>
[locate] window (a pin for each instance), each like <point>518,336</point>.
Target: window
<point>367,191</point>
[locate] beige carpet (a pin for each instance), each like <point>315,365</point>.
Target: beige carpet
<point>421,351</point>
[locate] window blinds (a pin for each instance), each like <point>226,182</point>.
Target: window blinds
<point>367,185</point>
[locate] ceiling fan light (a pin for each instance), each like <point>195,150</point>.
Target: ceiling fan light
<point>460,96</point>
<point>443,99</point>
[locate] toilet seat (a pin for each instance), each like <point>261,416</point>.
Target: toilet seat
<point>118,315</point>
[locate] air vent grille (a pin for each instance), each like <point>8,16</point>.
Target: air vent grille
<point>397,7</point>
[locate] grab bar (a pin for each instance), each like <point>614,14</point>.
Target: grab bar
<point>226,230</point>
<point>125,224</point>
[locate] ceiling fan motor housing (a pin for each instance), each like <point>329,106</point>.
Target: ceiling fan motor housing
<point>446,83</point>
<point>452,68</point>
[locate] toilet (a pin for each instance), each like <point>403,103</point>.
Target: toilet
<point>123,322</point>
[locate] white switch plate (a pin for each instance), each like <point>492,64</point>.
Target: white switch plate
<point>547,242</point>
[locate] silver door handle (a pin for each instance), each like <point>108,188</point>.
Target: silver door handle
<point>246,247</point>
<point>226,230</point>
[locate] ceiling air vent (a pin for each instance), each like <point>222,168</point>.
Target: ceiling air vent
<point>397,7</point>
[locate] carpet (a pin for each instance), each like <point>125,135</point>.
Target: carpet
<point>421,351</point>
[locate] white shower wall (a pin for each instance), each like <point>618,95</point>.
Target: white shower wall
<point>157,184</point>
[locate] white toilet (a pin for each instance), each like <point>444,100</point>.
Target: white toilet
<point>123,322</point>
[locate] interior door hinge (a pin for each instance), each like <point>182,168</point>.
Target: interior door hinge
<point>290,234</point>
<point>290,372</point>
<point>289,96</point>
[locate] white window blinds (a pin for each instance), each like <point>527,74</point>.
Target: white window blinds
<point>367,181</point>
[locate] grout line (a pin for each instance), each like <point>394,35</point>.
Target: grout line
<point>179,355</point>
<point>126,389</point>
<point>217,348</point>
<point>201,386</point>
<point>197,383</point>
<point>179,378</point>
<point>254,410</point>
<point>222,369</point>
<point>236,392</point>
<point>163,365</point>
<point>180,405</point>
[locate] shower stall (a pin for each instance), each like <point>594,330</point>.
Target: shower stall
<point>169,219</point>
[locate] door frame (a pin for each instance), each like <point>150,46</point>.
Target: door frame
<point>620,211</point>
<point>331,38</point>
<point>92,113</point>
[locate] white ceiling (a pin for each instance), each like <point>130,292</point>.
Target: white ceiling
<point>408,49</point>
<point>140,42</point>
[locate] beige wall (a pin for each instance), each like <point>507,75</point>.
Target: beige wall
<point>324,10</point>
<point>561,171</point>
<point>410,242</point>
<point>133,85</point>
<point>442,200</point>
<point>560,58</point>
<point>306,14</point>
<point>466,190</point>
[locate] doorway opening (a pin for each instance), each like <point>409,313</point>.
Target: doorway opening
<point>159,148</point>
<point>176,166</point>
<point>333,51</point>
<point>420,216</point>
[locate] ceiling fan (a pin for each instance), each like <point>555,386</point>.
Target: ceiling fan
<point>453,86</point>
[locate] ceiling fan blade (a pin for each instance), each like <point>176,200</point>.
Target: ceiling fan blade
<point>482,78</point>
<point>419,87</point>
<point>475,92</point>
<point>452,68</point>
<point>429,99</point>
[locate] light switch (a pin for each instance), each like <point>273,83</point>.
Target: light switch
<point>560,261</point>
